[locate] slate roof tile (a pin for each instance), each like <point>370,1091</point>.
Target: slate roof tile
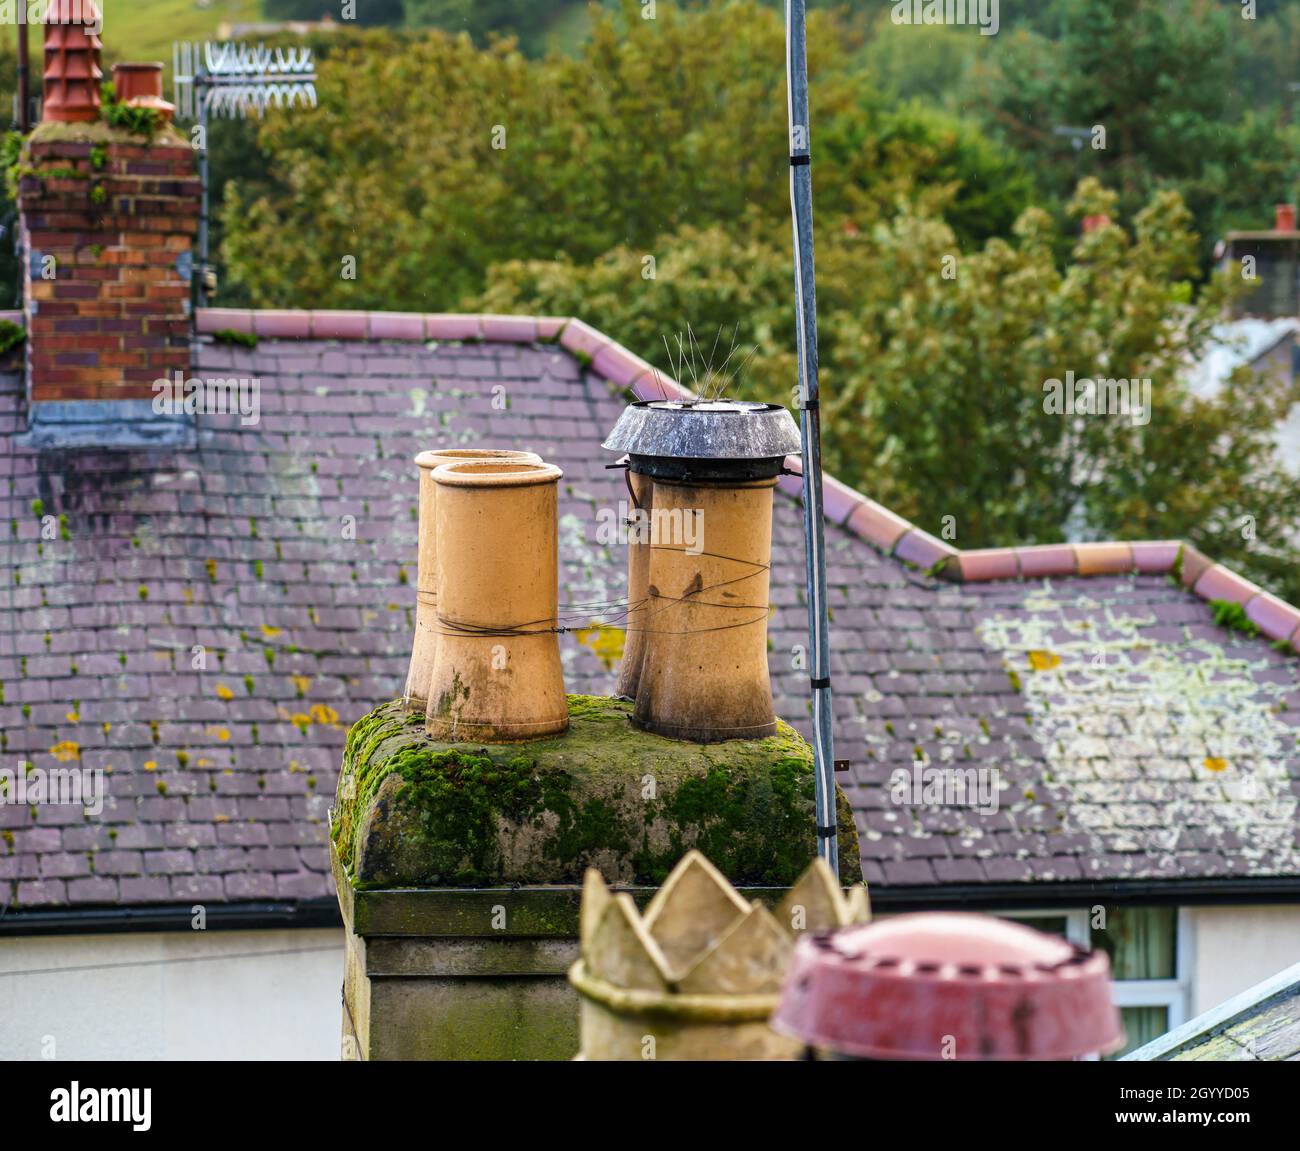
<point>1108,707</point>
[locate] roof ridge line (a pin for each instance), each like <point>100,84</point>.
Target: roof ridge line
<point>844,506</point>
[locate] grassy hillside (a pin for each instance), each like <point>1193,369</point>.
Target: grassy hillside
<point>145,29</point>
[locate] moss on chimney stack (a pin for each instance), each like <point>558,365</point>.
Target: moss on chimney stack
<point>413,812</point>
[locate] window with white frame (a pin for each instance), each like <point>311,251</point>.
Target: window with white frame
<point>1150,960</point>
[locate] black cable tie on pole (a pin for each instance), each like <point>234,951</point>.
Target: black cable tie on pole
<point>827,832</point>
<point>818,684</point>
<point>810,405</point>
<point>800,161</point>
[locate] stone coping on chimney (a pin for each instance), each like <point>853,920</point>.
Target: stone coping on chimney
<point>843,505</point>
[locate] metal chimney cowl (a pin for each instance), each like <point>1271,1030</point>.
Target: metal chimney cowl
<point>696,651</point>
<point>949,986</point>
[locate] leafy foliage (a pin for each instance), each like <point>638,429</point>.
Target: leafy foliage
<point>934,388</point>
<point>657,126</point>
<point>1161,79</point>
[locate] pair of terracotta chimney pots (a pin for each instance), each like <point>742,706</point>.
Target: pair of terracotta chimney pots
<point>486,667</point>
<point>486,661</point>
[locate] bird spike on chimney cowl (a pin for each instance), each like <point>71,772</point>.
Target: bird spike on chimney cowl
<point>72,61</point>
<point>700,626</point>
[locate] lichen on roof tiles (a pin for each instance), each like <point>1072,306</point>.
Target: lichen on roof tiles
<point>240,546</point>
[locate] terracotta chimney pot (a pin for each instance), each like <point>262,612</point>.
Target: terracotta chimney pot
<point>496,673</point>
<point>1284,218</point>
<point>416,695</point>
<point>141,86</point>
<point>704,673</point>
<point>638,582</point>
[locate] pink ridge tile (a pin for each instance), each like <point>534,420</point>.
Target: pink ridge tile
<point>1218,582</point>
<point>509,329</point>
<point>445,326</point>
<point>921,548</point>
<point>340,325</point>
<point>1047,560</point>
<point>877,525</point>
<point>989,564</point>
<point>209,320</point>
<point>1277,619</point>
<point>282,325</point>
<point>1154,557</point>
<point>396,326</point>
<point>1103,558</point>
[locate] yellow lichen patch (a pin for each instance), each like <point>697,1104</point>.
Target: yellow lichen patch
<point>269,631</point>
<point>605,641</point>
<point>150,765</point>
<point>323,714</point>
<point>203,763</point>
<point>220,733</point>
<point>74,717</point>
<point>1044,660</point>
<point>187,594</point>
<point>223,692</point>
<point>1213,763</point>
<point>300,721</point>
<point>66,751</point>
<point>302,683</point>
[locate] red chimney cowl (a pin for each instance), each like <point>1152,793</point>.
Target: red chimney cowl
<point>72,69</point>
<point>939,986</point>
<point>1284,218</point>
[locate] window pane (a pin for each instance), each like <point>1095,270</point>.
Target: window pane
<point>1141,1025</point>
<point>1051,924</point>
<point>1141,942</point>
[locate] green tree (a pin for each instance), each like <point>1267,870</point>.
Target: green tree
<point>1158,77</point>
<point>935,368</point>
<point>429,159</point>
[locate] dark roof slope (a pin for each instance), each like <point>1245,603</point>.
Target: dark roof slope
<point>204,625</point>
<point>1262,1024</point>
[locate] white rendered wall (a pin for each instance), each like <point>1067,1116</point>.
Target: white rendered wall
<point>172,995</point>
<point>1236,947</point>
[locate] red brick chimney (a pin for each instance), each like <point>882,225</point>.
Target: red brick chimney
<point>108,221</point>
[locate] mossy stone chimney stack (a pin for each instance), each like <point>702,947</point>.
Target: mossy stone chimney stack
<point>108,217</point>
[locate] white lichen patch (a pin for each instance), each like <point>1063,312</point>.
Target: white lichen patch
<point>1154,738</point>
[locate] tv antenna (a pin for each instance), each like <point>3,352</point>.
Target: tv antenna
<point>225,79</point>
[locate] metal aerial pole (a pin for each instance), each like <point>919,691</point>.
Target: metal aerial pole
<point>21,120</point>
<point>823,718</point>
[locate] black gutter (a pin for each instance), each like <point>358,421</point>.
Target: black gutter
<point>1131,892</point>
<point>324,912</point>
<point>170,917</point>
